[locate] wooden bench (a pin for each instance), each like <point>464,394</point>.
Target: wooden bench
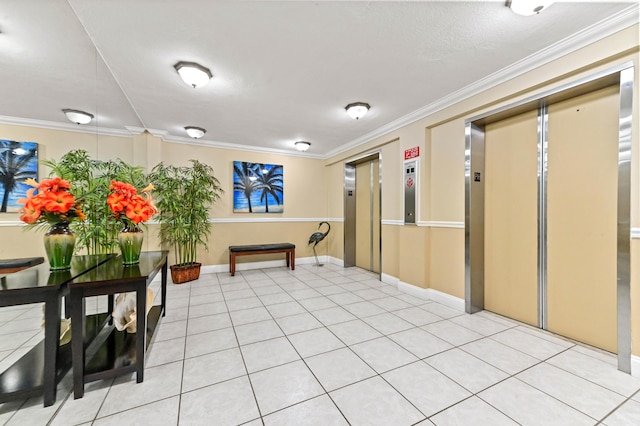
<point>287,248</point>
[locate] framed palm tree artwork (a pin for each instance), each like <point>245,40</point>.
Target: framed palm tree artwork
<point>18,162</point>
<point>257,188</point>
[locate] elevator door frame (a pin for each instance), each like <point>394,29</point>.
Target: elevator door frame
<point>350,208</point>
<point>474,195</point>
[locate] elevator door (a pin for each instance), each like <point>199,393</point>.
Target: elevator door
<point>511,234</point>
<point>582,218</point>
<point>575,295</point>
<point>368,215</point>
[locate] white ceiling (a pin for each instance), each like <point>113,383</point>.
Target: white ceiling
<point>283,70</point>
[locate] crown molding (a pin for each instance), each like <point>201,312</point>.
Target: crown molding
<point>66,127</point>
<point>226,145</point>
<point>618,22</point>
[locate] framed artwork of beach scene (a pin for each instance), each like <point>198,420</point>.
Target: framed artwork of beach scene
<point>257,187</point>
<point>18,162</point>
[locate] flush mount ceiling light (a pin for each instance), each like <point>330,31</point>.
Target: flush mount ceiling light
<point>195,132</point>
<point>302,145</point>
<point>357,110</point>
<point>193,74</point>
<point>528,7</point>
<point>78,117</point>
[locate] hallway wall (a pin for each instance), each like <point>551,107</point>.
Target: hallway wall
<point>436,244</point>
<point>305,192</point>
<point>428,255</point>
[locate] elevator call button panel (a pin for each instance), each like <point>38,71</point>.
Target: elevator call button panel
<point>410,191</point>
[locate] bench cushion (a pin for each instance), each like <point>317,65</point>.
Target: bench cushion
<point>262,247</point>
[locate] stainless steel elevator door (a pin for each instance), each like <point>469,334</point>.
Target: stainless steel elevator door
<point>579,294</point>
<point>582,218</point>
<point>511,234</point>
<point>368,215</point>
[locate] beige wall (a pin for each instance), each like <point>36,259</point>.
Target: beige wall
<point>446,260</point>
<point>446,170</point>
<point>442,139</point>
<point>413,255</point>
<point>430,255</point>
<point>15,240</point>
<point>305,192</point>
<point>304,184</point>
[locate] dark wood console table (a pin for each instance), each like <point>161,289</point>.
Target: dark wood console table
<point>39,370</point>
<point>111,352</point>
<point>9,266</point>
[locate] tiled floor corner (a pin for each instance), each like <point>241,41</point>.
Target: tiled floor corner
<point>332,346</point>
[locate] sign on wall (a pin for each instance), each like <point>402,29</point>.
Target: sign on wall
<point>412,153</point>
<point>18,162</point>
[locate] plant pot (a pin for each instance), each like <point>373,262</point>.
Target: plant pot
<point>185,273</point>
<point>58,244</point>
<point>130,241</point>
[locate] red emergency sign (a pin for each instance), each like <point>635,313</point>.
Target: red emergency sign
<point>412,153</point>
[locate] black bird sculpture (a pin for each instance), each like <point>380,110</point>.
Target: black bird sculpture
<point>316,237</point>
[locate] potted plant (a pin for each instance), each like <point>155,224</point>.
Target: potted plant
<point>130,207</point>
<point>91,180</point>
<point>53,207</point>
<point>186,195</point>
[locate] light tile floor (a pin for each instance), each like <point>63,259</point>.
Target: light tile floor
<point>333,346</point>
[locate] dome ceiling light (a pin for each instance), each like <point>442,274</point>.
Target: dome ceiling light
<point>77,116</point>
<point>302,145</point>
<point>357,110</point>
<point>195,132</point>
<point>528,7</point>
<point>195,75</point>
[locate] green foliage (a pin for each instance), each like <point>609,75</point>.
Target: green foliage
<point>187,194</point>
<point>90,180</point>
<point>270,183</point>
<point>244,183</point>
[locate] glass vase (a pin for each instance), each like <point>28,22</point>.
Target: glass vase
<point>59,243</point>
<point>130,240</point>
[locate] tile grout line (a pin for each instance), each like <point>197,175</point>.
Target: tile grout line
<point>302,281</point>
<point>301,359</point>
<point>377,374</point>
<point>244,363</point>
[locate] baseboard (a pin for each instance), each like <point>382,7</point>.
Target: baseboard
<point>421,293</point>
<point>246,266</point>
<point>426,293</point>
<point>447,300</point>
<point>635,366</point>
<point>332,260</point>
<point>389,279</point>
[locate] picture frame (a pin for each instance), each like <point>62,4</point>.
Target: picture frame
<point>18,162</point>
<point>258,187</point>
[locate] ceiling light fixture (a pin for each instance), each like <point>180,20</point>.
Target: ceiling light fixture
<point>195,132</point>
<point>528,7</point>
<point>302,145</point>
<point>357,110</point>
<point>77,116</point>
<point>193,74</point>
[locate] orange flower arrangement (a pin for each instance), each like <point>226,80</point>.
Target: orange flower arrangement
<point>129,206</point>
<point>54,203</point>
